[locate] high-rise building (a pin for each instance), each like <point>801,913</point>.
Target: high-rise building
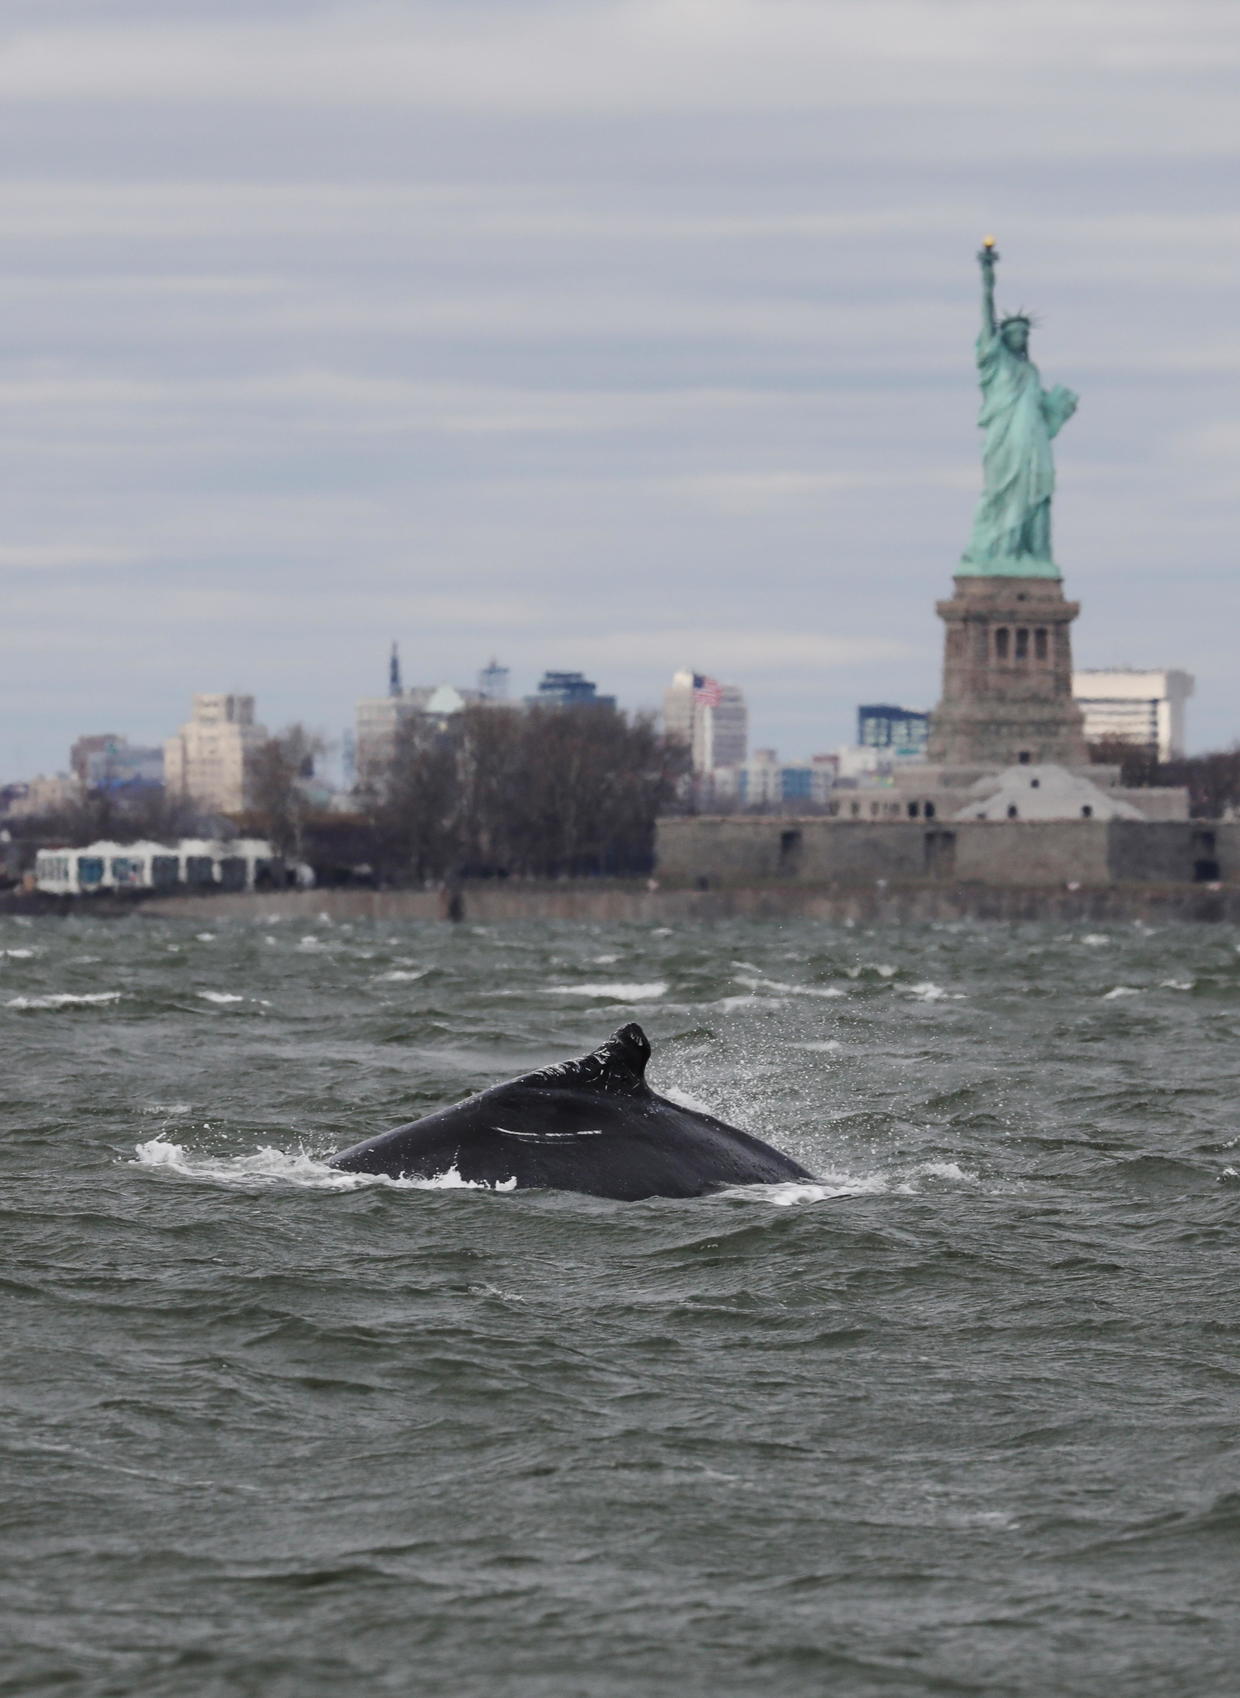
<point>124,767</point>
<point>568,689</point>
<point>895,730</point>
<point>493,682</point>
<point>92,743</point>
<point>210,759</point>
<point>1132,706</point>
<point>764,781</point>
<point>711,718</point>
<point>379,719</point>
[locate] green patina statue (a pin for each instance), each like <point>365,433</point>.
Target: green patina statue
<point>1012,528</point>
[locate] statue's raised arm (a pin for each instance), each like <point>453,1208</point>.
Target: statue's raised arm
<point>986,258</point>
<point>1012,527</point>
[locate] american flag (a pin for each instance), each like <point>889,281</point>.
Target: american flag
<point>706,691</point>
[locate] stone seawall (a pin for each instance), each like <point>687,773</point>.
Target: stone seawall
<point>913,904</point>
<point>719,851</point>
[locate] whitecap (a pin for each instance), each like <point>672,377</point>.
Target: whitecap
<point>270,1166</point>
<point>1095,939</point>
<point>1175,984</point>
<point>604,960</point>
<point>786,1193</point>
<point>828,991</point>
<point>947,1170</point>
<point>928,991</point>
<point>749,1000</point>
<point>401,975</point>
<point>1120,990</point>
<point>64,999</point>
<point>220,996</point>
<point>18,954</point>
<point>613,992</point>
<point>205,937</point>
<point>824,1046</point>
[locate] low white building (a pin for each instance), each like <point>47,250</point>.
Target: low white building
<point>193,863</point>
<point>1134,706</point>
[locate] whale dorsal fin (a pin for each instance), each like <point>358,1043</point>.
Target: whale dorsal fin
<point>617,1067</point>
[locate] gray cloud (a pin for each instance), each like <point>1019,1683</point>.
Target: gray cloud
<point>612,335</point>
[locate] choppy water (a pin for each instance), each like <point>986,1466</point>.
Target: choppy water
<point>962,1418</point>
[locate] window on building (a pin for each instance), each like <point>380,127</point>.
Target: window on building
<point>1040,643</point>
<point>1022,642</point>
<point>1001,643</point>
<point>929,810</point>
<point>1023,757</point>
<point>914,809</point>
<point>1087,813</point>
<point>1012,811</point>
<point>1035,783</point>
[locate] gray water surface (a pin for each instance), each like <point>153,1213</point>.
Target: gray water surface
<point>963,1417</point>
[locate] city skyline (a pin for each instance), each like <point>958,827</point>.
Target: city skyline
<point>624,340</point>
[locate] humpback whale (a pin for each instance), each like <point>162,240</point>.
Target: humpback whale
<point>591,1125</point>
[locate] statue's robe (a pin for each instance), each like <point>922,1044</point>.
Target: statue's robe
<point>1012,526</point>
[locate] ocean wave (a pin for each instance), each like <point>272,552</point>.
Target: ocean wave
<point>829,992</point>
<point>401,975</point>
<point>65,999</point>
<point>270,1166</point>
<point>613,992</point>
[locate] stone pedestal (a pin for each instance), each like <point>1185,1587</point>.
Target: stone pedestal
<point>1007,676</point>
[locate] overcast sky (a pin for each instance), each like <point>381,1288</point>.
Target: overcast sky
<point>616,335</point>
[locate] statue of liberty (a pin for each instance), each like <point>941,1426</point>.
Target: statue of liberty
<point>1012,527</point>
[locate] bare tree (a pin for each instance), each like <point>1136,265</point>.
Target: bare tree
<point>278,772</point>
<point>545,792</point>
<point>1212,780</point>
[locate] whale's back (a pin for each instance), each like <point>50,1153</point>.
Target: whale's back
<point>592,1125</point>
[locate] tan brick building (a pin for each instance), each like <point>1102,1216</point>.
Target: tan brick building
<point>209,760</point>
